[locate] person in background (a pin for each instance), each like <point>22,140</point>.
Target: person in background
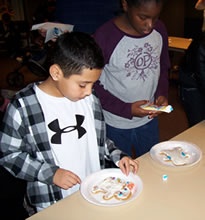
<point>87,15</point>
<point>200,5</point>
<point>192,75</point>
<point>192,81</point>
<point>46,12</point>
<point>10,34</point>
<point>53,132</point>
<point>135,48</point>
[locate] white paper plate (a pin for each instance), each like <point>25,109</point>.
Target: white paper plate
<point>97,177</point>
<point>190,149</point>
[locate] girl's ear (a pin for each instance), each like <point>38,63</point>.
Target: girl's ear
<point>124,5</point>
<point>200,5</point>
<point>55,72</point>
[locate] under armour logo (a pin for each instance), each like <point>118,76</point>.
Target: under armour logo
<point>54,126</point>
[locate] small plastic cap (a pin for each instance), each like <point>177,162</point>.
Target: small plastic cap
<point>165,177</point>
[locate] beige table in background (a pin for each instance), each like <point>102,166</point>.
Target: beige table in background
<point>181,197</point>
<point>177,48</point>
<point>179,44</point>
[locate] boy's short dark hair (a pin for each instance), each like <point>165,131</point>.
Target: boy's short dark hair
<point>75,51</point>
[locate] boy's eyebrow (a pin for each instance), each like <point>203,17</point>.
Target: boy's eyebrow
<point>86,81</point>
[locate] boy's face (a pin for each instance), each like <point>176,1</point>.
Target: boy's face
<point>143,18</point>
<point>78,86</point>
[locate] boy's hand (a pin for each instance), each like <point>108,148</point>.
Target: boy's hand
<point>126,164</point>
<point>65,178</point>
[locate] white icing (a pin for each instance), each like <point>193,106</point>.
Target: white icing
<point>113,187</point>
<point>176,155</point>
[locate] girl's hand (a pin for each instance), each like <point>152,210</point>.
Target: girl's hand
<point>160,101</point>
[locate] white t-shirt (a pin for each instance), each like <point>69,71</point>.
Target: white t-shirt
<point>72,135</point>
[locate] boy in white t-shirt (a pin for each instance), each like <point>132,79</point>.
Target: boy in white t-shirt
<point>53,132</point>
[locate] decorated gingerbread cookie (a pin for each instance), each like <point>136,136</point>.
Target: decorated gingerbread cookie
<point>114,187</point>
<point>176,155</point>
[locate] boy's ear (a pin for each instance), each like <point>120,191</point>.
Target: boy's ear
<point>55,72</point>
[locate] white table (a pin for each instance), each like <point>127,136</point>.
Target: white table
<point>181,197</point>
